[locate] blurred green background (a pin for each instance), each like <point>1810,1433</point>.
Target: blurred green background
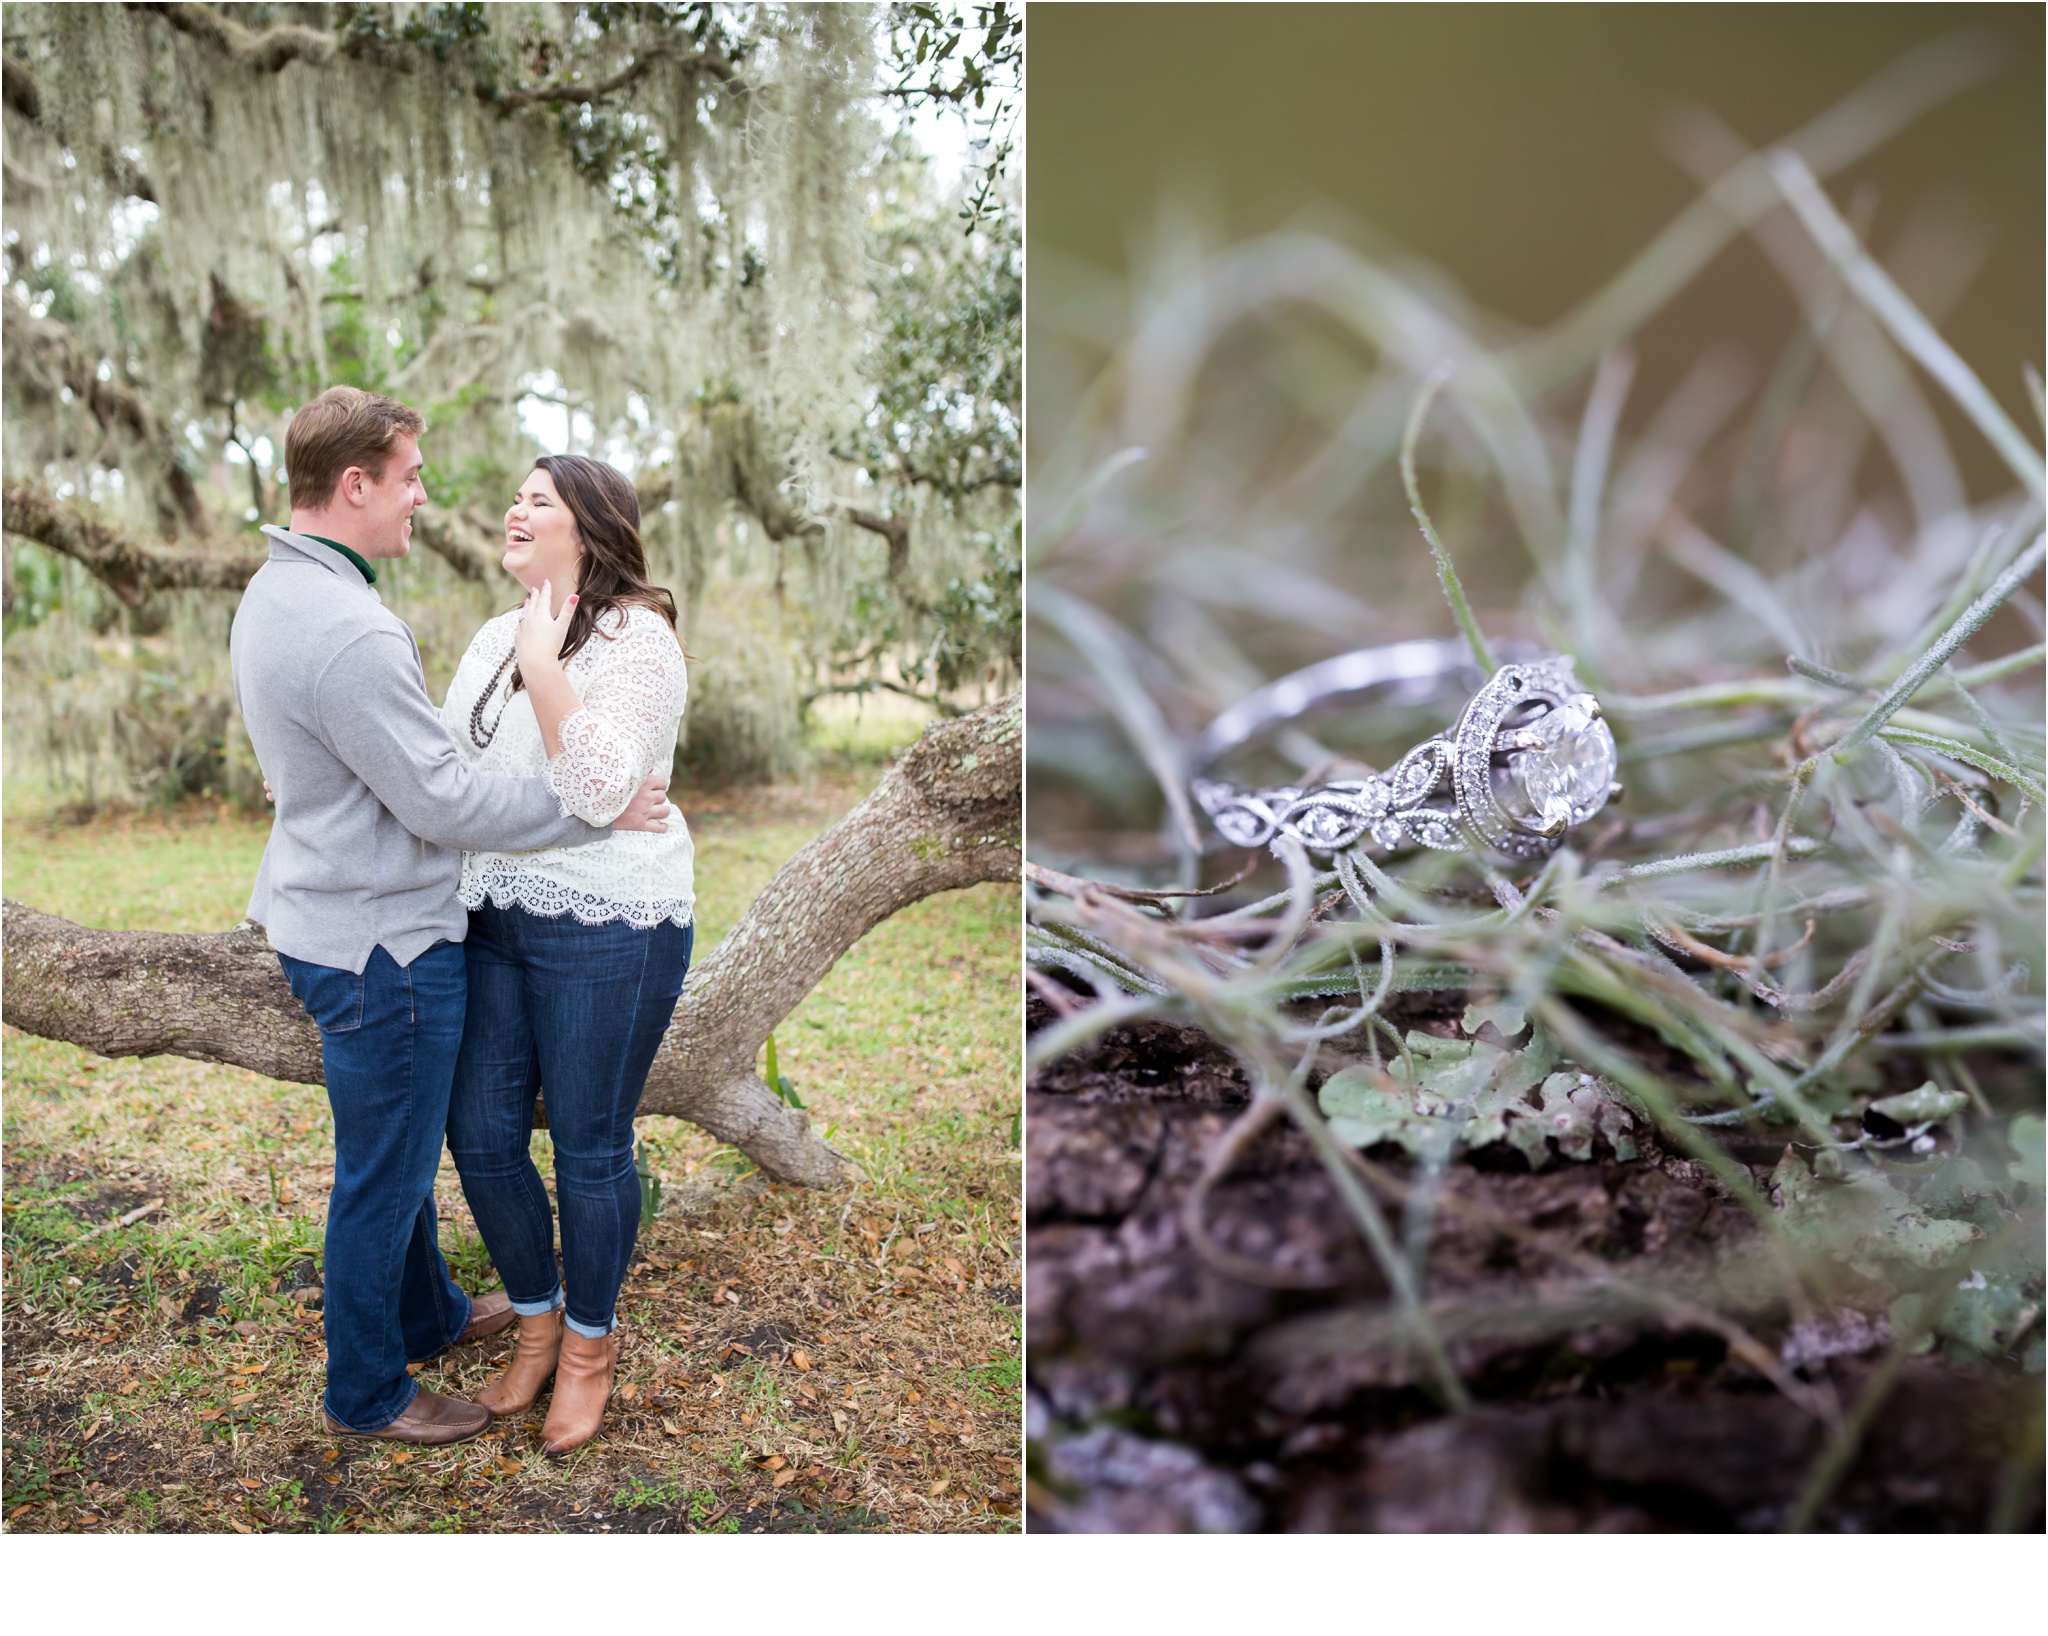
<point>1523,149</point>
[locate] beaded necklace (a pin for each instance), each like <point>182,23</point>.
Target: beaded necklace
<point>477,735</point>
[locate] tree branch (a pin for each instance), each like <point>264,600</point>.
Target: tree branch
<point>277,48</point>
<point>896,530</point>
<point>270,52</point>
<point>20,89</point>
<point>114,406</point>
<point>946,816</point>
<point>880,684</point>
<point>132,571</point>
<point>458,540</point>
<point>697,62</point>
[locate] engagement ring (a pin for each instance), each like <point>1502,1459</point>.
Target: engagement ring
<point>1529,760</point>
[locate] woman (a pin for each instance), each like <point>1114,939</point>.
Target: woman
<point>576,956</point>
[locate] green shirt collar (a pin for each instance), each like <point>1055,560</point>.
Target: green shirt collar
<point>362,567</point>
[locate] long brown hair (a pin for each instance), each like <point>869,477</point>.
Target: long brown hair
<point>607,515</point>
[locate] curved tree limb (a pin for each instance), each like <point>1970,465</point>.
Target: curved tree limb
<point>276,48</point>
<point>48,355</point>
<point>459,540</point>
<point>131,570</point>
<point>946,816</point>
<point>269,52</point>
<point>896,530</point>
<point>695,62</point>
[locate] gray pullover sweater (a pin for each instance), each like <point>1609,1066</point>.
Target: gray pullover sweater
<point>375,807</point>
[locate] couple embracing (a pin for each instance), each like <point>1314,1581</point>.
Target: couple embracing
<point>477,905</point>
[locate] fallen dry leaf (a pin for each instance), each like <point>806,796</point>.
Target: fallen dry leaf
<point>240,1527</point>
<point>211,1414</point>
<point>784,1478</point>
<point>672,1428</point>
<point>509,1466</point>
<point>400,1456</point>
<point>628,1392</point>
<point>240,1398</point>
<point>252,1368</point>
<point>250,1483</point>
<point>801,1359</point>
<point>940,1486</point>
<point>774,1462</point>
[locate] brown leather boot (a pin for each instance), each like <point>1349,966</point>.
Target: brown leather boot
<point>487,1315</point>
<point>532,1366</point>
<point>583,1385</point>
<point>429,1418</point>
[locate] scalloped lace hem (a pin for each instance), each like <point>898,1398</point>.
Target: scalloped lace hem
<point>551,899</point>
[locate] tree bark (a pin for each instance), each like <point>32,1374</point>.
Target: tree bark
<point>946,816</point>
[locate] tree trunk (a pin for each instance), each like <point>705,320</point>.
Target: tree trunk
<point>946,816</point>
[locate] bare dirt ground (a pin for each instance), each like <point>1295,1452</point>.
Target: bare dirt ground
<point>1166,1395</point>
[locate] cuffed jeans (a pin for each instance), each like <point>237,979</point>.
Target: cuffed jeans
<point>388,1040</point>
<point>575,1014</point>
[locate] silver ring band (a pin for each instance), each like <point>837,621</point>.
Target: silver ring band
<point>1529,759</point>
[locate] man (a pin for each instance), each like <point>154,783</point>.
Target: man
<point>357,892</point>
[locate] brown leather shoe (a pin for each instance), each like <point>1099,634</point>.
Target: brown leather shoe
<point>583,1385</point>
<point>531,1368</point>
<point>487,1315</point>
<point>429,1418</point>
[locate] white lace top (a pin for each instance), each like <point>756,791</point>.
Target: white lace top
<point>630,682</point>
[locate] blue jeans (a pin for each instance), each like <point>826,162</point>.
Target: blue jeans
<point>575,1013</point>
<point>388,1040</point>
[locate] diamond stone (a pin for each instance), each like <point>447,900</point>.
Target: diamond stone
<point>1565,779</point>
<point>1319,825</point>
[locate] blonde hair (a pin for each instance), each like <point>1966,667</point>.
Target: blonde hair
<point>343,427</point>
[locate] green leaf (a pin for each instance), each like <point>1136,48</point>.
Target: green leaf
<point>1364,1110</point>
<point>1922,1107</point>
<point>1863,1221</point>
<point>1969,754</point>
<point>779,1082</point>
<point>1491,1088</point>
<point>2026,1140</point>
<point>1505,1015</point>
